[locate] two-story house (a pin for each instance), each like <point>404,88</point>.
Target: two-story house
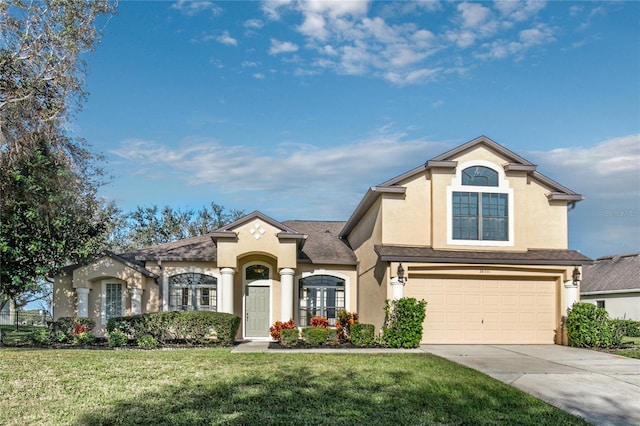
<point>477,232</point>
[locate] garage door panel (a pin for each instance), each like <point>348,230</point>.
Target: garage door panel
<point>486,310</point>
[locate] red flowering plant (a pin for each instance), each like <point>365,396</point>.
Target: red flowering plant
<point>320,322</point>
<point>79,328</point>
<point>344,322</point>
<point>276,329</point>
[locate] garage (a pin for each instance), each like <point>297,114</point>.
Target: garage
<point>486,311</point>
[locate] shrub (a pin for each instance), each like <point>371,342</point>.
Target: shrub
<point>84,338</point>
<point>289,336</point>
<point>344,322</point>
<point>193,327</point>
<point>319,322</point>
<point>41,336</point>
<point>332,336</point>
<point>362,334</point>
<point>66,328</point>
<point>276,329</point>
<point>403,322</point>
<point>315,335</point>
<point>117,338</point>
<point>147,341</point>
<point>590,326</point>
<point>629,328</point>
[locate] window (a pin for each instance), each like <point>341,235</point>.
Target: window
<point>256,272</point>
<point>113,306</point>
<point>600,304</point>
<point>479,209</point>
<point>321,296</point>
<point>191,291</point>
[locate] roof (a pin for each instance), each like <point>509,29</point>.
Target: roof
<point>617,273</point>
<point>516,162</point>
<point>199,248</point>
<point>323,243</point>
<point>390,253</point>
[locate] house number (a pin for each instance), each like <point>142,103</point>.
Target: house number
<point>485,271</point>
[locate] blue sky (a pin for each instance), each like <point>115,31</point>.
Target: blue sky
<point>296,108</point>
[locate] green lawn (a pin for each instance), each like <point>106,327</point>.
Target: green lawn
<point>213,386</point>
<point>632,347</point>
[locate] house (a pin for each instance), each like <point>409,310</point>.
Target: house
<point>478,232</point>
<point>613,283</point>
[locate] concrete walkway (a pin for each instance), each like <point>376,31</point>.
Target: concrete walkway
<point>601,388</point>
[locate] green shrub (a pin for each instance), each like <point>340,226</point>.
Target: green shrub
<point>628,328</point>
<point>289,336</point>
<point>403,322</point>
<point>362,334</point>
<point>41,335</point>
<point>84,338</point>
<point>117,338</point>
<point>589,326</point>
<point>147,342</point>
<point>65,329</point>
<point>344,322</point>
<point>193,327</point>
<point>315,335</point>
<point>276,329</point>
<point>332,336</point>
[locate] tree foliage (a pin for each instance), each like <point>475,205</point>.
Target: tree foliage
<point>49,212</point>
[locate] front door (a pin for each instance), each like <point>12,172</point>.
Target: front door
<point>257,312</point>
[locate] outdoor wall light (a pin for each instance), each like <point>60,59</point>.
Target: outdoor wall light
<point>401,273</point>
<point>576,275</point>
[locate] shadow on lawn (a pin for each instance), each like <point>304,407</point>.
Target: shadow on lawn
<point>303,395</point>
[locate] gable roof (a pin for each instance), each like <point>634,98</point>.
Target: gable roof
<point>612,274</point>
<point>199,248</point>
<point>444,160</point>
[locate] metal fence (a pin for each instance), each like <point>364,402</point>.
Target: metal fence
<point>24,318</point>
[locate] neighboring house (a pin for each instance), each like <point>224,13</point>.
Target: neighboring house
<point>478,232</point>
<point>7,312</point>
<point>613,283</point>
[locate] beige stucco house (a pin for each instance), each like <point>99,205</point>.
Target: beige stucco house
<point>478,232</point>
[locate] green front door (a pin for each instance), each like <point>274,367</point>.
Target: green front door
<point>257,312</point>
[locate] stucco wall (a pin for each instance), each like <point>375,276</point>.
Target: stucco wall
<point>624,306</point>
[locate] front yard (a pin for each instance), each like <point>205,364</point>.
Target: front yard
<point>213,386</point>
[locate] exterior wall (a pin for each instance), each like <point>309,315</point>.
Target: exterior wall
<point>623,306</point>
<point>64,297</point>
<point>407,218</point>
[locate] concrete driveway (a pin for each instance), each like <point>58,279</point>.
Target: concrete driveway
<point>601,388</point>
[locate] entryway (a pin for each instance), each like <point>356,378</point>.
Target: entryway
<point>257,312</point>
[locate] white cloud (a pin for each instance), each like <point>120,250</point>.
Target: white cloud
<point>253,24</point>
<point>473,15</point>
<point>258,76</point>
<point>278,47</point>
<point>226,39</point>
<point>519,10</point>
<point>191,7</point>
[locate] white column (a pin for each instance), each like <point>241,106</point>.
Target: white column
<point>83,301</point>
<point>226,290</point>
<point>571,295</point>
<point>397,289</point>
<point>136,301</point>
<point>286,294</point>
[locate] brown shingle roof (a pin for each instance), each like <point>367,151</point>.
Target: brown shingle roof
<point>612,273</point>
<point>323,244</point>
<point>529,257</point>
<point>199,248</point>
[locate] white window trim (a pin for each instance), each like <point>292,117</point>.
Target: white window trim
<point>168,272</point>
<point>103,298</point>
<point>296,290</point>
<point>256,283</point>
<point>502,188</point>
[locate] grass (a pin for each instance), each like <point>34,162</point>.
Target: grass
<point>632,347</point>
<point>213,386</point>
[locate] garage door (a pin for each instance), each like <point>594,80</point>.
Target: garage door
<point>486,310</point>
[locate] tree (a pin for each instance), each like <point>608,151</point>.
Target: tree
<point>49,212</point>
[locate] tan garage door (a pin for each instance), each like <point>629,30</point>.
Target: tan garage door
<point>486,310</point>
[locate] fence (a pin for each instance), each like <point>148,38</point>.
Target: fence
<point>24,318</point>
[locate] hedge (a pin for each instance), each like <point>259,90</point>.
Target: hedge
<point>362,334</point>
<point>193,327</point>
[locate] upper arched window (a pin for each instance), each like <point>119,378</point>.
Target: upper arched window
<point>479,176</point>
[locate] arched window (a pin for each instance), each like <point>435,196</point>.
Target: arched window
<point>321,296</point>
<point>479,176</point>
<point>256,272</point>
<point>192,291</point>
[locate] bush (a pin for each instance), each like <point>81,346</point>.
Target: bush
<point>403,322</point>
<point>289,336</point>
<point>147,341</point>
<point>276,329</point>
<point>319,322</point>
<point>192,327</point>
<point>65,329</point>
<point>589,326</point>
<point>84,338</point>
<point>344,322</point>
<point>362,334</point>
<point>117,338</point>
<point>41,336</point>
<point>315,335</point>
<point>628,328</point>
